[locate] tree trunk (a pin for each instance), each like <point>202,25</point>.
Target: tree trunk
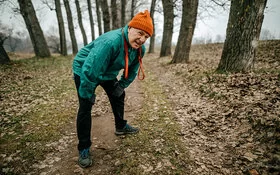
<point>242,35</point>
<point>183,46</point>
<point>4,57</point>
<point>167,28</point>
<point>152,39</point>
<point>80,21</point>
<point>132,8</point>
<point>62,37</point>
<point>123,22</point>
<point>114,10</point>
<point>35,31</point>
<point>71,27</point>
<point>98,17</point>
<point>106,16</point>
<point>91,20</point>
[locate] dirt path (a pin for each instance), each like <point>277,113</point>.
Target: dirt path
<point>104,141</point>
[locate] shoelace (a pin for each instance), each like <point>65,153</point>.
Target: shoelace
<point>129,128</point>
<point>84,153</point>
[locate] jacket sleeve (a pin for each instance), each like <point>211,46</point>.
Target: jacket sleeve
<point>95,65</point>
<point>132,72</point>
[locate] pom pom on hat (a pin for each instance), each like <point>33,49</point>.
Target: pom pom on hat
<point>143,21</point>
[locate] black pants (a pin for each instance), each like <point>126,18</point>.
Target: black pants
<point>84,112</point>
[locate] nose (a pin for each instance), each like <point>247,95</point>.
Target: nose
<point>142,39</point>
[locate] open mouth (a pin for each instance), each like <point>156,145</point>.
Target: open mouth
<point>138,44</point>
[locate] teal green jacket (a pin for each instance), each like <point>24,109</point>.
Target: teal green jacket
<point>102,60</point>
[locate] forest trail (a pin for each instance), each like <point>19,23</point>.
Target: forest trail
<point>192,120</point>
<point>216,142</point>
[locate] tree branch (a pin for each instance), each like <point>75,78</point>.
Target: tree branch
<point>48,4</point>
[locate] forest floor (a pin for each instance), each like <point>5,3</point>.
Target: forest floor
<point>191,119</point>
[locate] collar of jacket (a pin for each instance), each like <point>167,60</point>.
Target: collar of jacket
<point>125,29</point>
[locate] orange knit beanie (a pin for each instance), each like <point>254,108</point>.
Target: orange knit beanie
<point>142,21</point>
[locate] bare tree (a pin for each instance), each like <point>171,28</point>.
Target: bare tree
<point>62,36</point>
<point>98,14</point>
<point>53,39</point>
<point>123,4</point>
<point>114,16</point>
<point>183,46</point>
<point>4,58</point>
<point>35,31</point>
<point>167,28</point>
<point>91,20</point>
<point>210,8</point>
<point>80,21</point>
<point>14,41</point>
<point>60,21</point>
<point>243,31</point>
<point>4,34</point>
<point>54,43</point>
<point>152,39</point>
<point>133,6</point>
<point>71,27</point>
<point>106,16</point>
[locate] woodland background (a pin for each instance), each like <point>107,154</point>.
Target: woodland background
<point>207,106</point>
<point>102,17</point>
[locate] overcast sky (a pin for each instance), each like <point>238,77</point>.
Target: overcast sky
<point>217,25</point>
<point>209,27</point>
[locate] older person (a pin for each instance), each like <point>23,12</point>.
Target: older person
<point>99,63</point>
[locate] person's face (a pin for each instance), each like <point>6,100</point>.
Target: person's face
<point>137,37</point>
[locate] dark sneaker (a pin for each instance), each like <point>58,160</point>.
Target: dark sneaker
<point>127,130</point>
<point>84,158</point>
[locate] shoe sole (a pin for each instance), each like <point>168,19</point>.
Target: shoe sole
<point>85,166</point>
<point>124,133</point>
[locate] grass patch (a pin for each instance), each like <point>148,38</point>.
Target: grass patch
<point>37,97</point>
<point>157,148</point>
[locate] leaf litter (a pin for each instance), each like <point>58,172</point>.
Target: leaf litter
<point>230,122</point>
<point>192,120</point>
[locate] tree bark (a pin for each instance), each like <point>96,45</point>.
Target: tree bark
<point>183,46</point>
<point>114,10</point>
<point>91,20</point>
<point>106,16</point>
<point>80,21</point>
<point>123,21</point>
<point>4,57</point>
<point>167,28</point>
<point>71,27</point>
<point>242,35</point>
<point>98,14</point>
<point>152,39</point>
<point>132,8</point>
<point>35,31</point>
<point>62,37</point>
